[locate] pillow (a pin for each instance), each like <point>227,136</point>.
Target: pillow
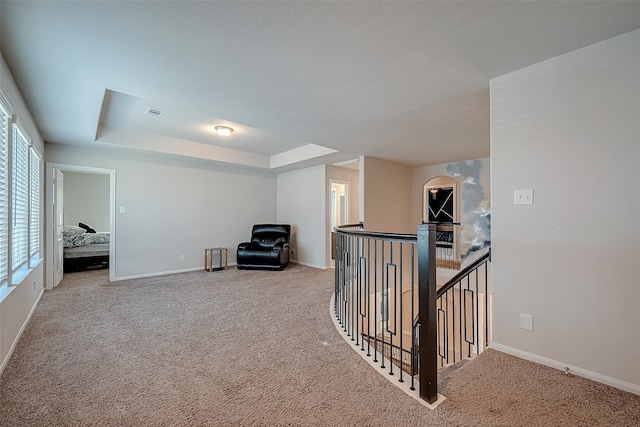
<point>72,229</point>
<point>86,227</point>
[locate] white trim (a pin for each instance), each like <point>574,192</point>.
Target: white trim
<point>347,184</point>
<point>20,273</point>
<point>610,381</point>
<point>404,386</point>
<point>5,103</point>
<point>187,270</point>
<point>321,267</point>
<point>162,273</point>
<point>5,291</point>
<point>425,197</point>
<point>17,338</point>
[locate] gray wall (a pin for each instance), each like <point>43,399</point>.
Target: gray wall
<point>175,207</point>
<point>86,200</point>
<point>302,202</point>
<point>569,128</point>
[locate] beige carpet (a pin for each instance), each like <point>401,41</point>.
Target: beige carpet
<point>253,348</point>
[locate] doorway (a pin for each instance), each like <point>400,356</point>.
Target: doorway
<point>55,218</point>
<point>339,209</point>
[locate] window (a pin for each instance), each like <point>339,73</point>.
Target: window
<point>19,199</point>
<point>34,204</point>
<point>20,179</point>
<point>4,192</point>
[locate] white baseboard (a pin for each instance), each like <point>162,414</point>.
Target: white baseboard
<point>160,273</point>
<point>22,328</point>
<point>610,381</point>
<point>321,267</point>
<point>186,270</point>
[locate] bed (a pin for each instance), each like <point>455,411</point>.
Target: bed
<point>84,250</point>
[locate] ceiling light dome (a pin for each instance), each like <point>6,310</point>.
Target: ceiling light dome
<point>224,130</point>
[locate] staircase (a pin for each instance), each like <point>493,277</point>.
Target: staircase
<point>387,303</point>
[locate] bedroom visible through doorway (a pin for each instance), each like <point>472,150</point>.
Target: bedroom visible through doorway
<point>81,214</point>
<point>86,228</point>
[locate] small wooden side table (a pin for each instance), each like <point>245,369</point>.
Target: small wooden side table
<point>223,259</point>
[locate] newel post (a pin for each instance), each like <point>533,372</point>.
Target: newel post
<point>428,338</point>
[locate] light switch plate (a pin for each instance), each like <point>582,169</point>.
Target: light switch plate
<point>523,197</point>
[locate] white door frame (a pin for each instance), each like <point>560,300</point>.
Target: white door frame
<point>346,199</point>
<point>347,185</point>
<point>58,225</point>
<point>50,228</point>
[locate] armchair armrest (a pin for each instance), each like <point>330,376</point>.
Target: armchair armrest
<point>244,245</point>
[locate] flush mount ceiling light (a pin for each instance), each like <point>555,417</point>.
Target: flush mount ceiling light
<point>223,130</point>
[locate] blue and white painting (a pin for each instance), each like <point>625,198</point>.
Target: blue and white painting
<point>475,211</point>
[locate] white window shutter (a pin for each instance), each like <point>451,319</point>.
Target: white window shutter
<point>20,199</point>
<point>34,200</point>
<point>4,193</point>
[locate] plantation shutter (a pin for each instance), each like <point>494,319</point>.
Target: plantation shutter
<point>20,199</point>
<point>4,192</point>
<point>34,199</point>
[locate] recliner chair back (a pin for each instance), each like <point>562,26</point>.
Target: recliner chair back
<point>270,234</point>
<point>268,248</point>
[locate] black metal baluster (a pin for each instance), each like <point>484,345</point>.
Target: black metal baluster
<point>362,263</point>
<point>375,300</point>
<point>385,287</point>
<point>388,307</point>
<point>369,298</point>
<point>486,305</point>
<point>414,362</point>
<point>453,321</point>
<point>401,317</point>
<point>477,318</point>
<point>468,296</point>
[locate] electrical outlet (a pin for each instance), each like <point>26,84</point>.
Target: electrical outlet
<point>181,257</point>
<point>526,322</point>
<point>293,251</point>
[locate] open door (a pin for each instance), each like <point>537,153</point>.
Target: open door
<point>58,209</point>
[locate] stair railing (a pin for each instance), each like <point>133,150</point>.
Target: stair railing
<point>386,301</point>
<point>464,313</point>
<point>375,294</point>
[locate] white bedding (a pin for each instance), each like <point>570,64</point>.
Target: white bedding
<point>72,240</point>
<point>98,249</point>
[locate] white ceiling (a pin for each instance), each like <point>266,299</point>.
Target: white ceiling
<point>404,81</point>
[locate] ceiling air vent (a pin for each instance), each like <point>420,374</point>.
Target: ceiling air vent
<point>154,112</point>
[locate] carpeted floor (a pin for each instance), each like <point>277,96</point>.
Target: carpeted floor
<point>253,348</point>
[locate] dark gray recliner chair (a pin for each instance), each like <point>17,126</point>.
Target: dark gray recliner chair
<point>268,248</point>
